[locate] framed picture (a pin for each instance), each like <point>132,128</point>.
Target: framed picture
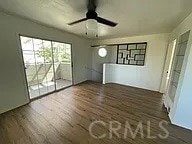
<point>131,53</point>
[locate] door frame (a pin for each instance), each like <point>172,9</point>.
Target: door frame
<point>167,66</point>
<point>23,65</point>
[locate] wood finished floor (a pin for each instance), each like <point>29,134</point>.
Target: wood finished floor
<point>64,117</point>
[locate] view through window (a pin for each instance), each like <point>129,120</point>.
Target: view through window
<point>47,65</point>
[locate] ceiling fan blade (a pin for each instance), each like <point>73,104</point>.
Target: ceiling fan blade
<point>106,22</point>
<point>78,21</point>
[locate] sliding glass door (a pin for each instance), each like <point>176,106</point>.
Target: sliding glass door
<point>62,64</point>
<point>47,65</point>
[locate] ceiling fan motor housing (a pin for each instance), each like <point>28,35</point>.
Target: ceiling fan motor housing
<point>91,15</point>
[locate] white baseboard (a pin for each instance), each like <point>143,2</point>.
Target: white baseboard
<point>169,106</point>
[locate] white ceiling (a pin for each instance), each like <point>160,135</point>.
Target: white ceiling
<point>135,17</point>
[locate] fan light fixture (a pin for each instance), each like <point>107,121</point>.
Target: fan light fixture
<point>91,28</point>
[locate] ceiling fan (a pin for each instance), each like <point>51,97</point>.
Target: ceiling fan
<point>91,14</point>
<point>92,18</point>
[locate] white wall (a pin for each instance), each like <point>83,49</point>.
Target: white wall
<point>97,62</point>
<point>148,76</point>
<point>181,113</point>
<point>12,81</point>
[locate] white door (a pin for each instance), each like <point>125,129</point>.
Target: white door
<point>167,68</point>
<point>177,65</point>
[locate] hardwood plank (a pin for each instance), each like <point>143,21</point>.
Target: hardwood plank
<point>64,117</point>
